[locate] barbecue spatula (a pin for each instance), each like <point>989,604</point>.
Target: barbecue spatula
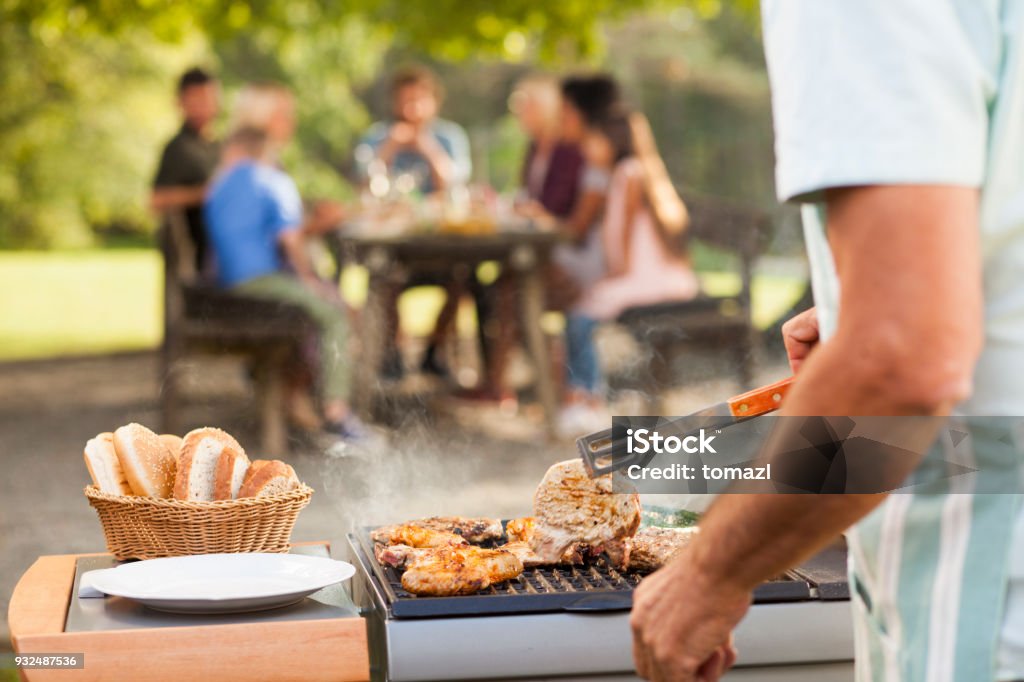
<point>596,448</point>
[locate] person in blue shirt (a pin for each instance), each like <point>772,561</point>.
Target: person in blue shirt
<point>416,141</point>
<point>257,229</point>
<point>427,155</point>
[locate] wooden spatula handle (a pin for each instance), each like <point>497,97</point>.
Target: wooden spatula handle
<point>760,400</point>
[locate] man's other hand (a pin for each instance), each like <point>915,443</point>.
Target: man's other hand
<point>800,334</point>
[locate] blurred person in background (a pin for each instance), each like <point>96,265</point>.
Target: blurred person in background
<point>550,186</point>
<point>258,232</point>
<point>190,157</point>
<point>644,256</point>
<point>587,102</point>
<point>425,154</point>
<point>579,262</point>
<point>267,107</point>
<point>552,166</point>
<point>416,141</point>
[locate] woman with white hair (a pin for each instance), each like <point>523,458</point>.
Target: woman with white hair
<point>552,166</point>
<point>269,107</point>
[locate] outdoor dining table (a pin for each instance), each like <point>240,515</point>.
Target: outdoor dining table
<point>389,259</point>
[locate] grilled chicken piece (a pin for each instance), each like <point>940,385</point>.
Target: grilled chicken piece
<point>520,534</point>
<point>416,536</point>
<point>457,570</point>
<point>570,507</point>
<point>520,530</point>
<point>475,530</point>
<point>654,547</point>
<point>398,556</point>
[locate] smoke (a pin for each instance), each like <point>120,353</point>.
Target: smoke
<point>419,470</point>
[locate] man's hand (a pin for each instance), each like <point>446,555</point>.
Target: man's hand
<point>403,134</point>
<point>800,334</point>
<point>324,217</point>
<point>682,623</point>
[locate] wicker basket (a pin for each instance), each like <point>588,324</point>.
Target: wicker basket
<point>147,528</point>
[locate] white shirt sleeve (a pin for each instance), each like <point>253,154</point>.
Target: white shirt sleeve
<point>879,92</point>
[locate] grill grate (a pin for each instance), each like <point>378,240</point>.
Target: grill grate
<point>587,578</point>
<point>595,586</point>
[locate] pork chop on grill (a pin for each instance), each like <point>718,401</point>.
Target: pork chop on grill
<point>416,536</point>
<point>652,547</point>
<point>451,571</point>
<point>569,507</point>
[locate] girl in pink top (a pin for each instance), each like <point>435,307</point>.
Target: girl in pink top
<point>645,262</point>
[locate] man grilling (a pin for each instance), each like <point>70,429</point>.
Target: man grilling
<point>900,128</point>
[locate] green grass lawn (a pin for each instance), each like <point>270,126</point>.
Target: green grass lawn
<point>79,303</point>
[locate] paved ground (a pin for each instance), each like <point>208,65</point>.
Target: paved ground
<point>444,459</point>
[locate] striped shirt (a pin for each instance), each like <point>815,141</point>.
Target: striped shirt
<point>922,92</point>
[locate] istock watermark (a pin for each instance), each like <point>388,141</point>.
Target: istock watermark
<point>816,455</point>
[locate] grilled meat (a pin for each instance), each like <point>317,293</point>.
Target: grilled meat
<point>416,536</point>
<point>520,530</point>
<point>520,534</point>
<point>654,547</point>
<point>398,556</point>
<point>570,507</point>
<point>475,530</point>
<point>618,550</point>
<point>456,570</point>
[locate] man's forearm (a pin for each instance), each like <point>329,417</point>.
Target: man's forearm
<point>440,164</point>
<point>184,196</point>
<point>293,245</point>
<point>908,338</point>
<point>747,539</point>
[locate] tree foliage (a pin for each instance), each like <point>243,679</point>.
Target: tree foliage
<point>85,85</point>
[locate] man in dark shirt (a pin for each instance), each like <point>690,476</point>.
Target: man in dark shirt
<point>190,157</point>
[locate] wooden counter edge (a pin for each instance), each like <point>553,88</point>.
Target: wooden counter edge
<point>39,602</point>
<point>312,650</point>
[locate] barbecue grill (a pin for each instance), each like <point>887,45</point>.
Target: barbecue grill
<point>574,621</point>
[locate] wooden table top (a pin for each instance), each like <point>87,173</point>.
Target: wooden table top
<point>325,649</point>
<point>493,245</point>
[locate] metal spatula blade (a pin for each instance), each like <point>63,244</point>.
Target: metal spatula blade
<point>595,449</point>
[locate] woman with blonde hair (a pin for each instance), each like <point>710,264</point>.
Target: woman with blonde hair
<point>644,253</point>
<point>553,166</point>
<point>269,107</point>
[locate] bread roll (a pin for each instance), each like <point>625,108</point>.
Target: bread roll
<point>231,469</point>
<point>104,467</point>
<point>268,478</point>
<point>173,443</point>
<point>147,463</point>
<point>198,464</point>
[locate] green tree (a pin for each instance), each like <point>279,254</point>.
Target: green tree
<point>85,85</point>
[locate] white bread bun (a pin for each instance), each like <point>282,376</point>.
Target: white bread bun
<point>147,463</point>
<point>269,477</point>
<point>201,452</point>
<point>231,469</point>
<point>173,443</point>
<point>104,467</point>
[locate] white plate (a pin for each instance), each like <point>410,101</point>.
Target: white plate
<point>221,583</point>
